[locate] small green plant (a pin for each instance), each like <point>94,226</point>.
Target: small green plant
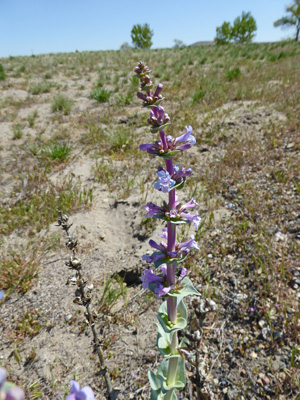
<point>113,289</point>
<point>100,95</point>
<point>2,73</point>
<point>31,118</point>
<point>233,74</point>
<point>17,131</point>
<point>58,151</point>
<point>40,87</point>
<point>62,103</point>
<point>198,96</point>
<point>125,100</point>
<point>28,324</point>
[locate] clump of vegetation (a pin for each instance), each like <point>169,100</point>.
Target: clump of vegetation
<point>2,73</point>
<point>58,151</point>
<point>40,87</point>
<point>17,131</point>
<point>31,118</point>
<point>62,103</point>
<point>101,95</point>
<point>233,73</point>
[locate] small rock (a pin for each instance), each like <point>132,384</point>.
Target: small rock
<point>68,317</point>
<point>280,237</point>
<point>253,355</point>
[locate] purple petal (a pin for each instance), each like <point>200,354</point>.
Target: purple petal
<point>158,90</point>
<point>150,277</point>
<point>164,233</point>
<point>1,294</point>
<point>160,290</point>
<point>141,96</point>
<point>75,387</point>
<point>184,137</point>
<point>195,219</point>
<point>15,394</point>
<point>85,393</point>
<point>2,376</point>
<point>189,243</point>
<point>192,203</point>
<point>156,246</point>
<point>182,275</point>
<point>146,147</point>
<point>163,268</point>
<point>152,209</point>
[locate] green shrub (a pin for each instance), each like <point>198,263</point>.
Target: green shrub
<point>100,95</point>
<point>58,151</point>
<point>40,87</point>
<point>233,73</point>
<point>2,73</point>
<point>198,96</point>
<point>62,103</point>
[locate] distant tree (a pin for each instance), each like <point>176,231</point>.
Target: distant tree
<point>141,36</point>
<point>178,44</point>
<point>292,19</point>
<point>243,28</point>
<point>223,33</point>
<point>125,46</point>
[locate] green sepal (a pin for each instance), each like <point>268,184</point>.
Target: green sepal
<point>169,154</point>
<point>162,374</point>
<point>161,261</point>
<point>159,128</point>
<point>147,88</point>
<point>187,289</point>
<point>176,221</point>
<point>179,185</point>
<point>142,75</point>
<point>157,103</point>
<point>181,321</point>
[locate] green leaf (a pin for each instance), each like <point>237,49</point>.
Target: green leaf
<point>163,341</point>
<point>169,155</point>
<point>181,321</point>
<point>187,289</point>
<point>160,128</point>
<point>155,382</point>
<point>162,373</point>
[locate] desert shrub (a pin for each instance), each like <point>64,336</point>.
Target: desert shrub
<point>233,73</point>
<point>40,87</point>
<point>100,95</point>
<point>2,73</point>
<point>62,103</point>
<point>141,36</point>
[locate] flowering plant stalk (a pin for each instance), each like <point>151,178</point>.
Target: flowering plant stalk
<point>172,284</point>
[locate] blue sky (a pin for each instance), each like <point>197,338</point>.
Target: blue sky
<point>50,26</point>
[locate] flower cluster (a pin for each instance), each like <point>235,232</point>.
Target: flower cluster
<point>166,181</point>
<point>173,145</point>
<point>158,283</point>
<point>174,215</point>
<point>163,255</point>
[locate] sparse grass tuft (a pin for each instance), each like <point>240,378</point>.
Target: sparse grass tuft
<point>58,151</point>
<point>2,73</point>
<point>17,131</point>
<point>40,87</point>
<point>62,103</point>
<point>233,74</point>
<point>101,95</point>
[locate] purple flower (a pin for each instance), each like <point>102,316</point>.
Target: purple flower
<point>2,376</point>
<point>76,393</point>
<point>1,294</point>
<point>176,214</point>
<point>165,183</point>
<point>161,290</point>
<point>181,250</point>
<point>156,148</point>
<point>158,118</point>
<point>151,99</point>
<point>150,277</point>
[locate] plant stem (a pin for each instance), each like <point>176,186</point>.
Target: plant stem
<point>171,276</point>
